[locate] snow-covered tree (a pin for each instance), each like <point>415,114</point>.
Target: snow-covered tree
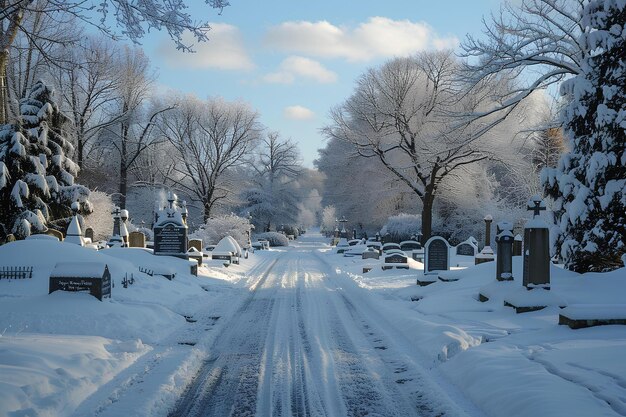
<point>531,45</point>
<point>272,199</point>
<point>36,175</point>
<point>216,228</point>
<point>589,184</point>
<point>133,18</point>
<point>329,217</point>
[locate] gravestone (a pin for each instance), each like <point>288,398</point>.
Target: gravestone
<point>395,260</point>
<point>116,237</point>
<point>11,237</point>
<point>91,277</point>
<point>409,245</point>
<point>536,248</point>
<point>73,233</point>
<point>504,241</point>
<point>170,231</point>
<point>136,240</point>
<point>55,233</point>
<point>437,255</point>
<point>467,248</point>
<point>370,254</point>
<point>195,243</point>
<point>89,234</point>
<point>123,229</point>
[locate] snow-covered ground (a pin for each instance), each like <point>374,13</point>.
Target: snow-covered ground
<point>299,331</point>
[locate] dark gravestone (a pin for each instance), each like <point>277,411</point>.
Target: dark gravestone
<point>437,255</point>
<point>170,239</point>
<point>395,258</point>
<point>465,249</point>
<point>89,233</point>
<point>410,245</point>
<point>504,261</point>
<point>536,248</point>
<point>88,277</point>
<point>517,246</point>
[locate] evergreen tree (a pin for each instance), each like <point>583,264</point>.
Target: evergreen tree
<point>36,175</point>
<point>589,184</point>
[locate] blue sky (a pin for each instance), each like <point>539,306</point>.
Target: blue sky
<point>294,60</point>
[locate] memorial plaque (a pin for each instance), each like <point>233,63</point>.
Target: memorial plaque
<point>437,255</point>
<point>170,239</point>
<point>370,254</point>
<point>465,249</point>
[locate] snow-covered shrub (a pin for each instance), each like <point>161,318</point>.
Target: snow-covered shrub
<point>36,175</point>
<point>291,230</point>
<point>275,238</point>
<point>589,184</point>
<point>329,216</point>
<point>402,226</point>
<point>100,220</point>
<point>216,228</point>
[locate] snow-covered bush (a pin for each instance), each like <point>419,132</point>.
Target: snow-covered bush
<point>329,216</point>
<point>100,220</point>
<point>589,184</point>
<point>402,226</point>
<point>275,238</point>
<point>216,228</point>
<point>36,175</point>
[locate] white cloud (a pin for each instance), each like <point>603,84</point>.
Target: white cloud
<point>297,66</point>
<point>298,113</point>
<point>375,38</point>
<point>224,50</point>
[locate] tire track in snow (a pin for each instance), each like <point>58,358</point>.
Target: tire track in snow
<point>227,382</point>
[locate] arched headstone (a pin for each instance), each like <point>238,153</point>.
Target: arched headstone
<point>136,240</point>
<point>437,255</point>
<point>195,243</point>
<point>89,233</point>
<point>55,233</point>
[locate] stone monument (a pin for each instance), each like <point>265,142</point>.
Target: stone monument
<point>136,240</point>
<point>486,255</point>
<point>517,245</point>
<point>116,237</point>
<point>170,231</point>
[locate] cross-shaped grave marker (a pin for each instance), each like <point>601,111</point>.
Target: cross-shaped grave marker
<point>536,205</point>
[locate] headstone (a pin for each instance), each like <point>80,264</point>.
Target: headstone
<point>170,231</point>
<point>395,258</point>
<point>536,248</point>
<point>467,248</point>
<point>418,255</point>
<point>195,243</point>
<point>517,245</point>
<point>89,233</point>
<point>123,229</point>
<point>136,240</point>
<point>370,254</point>
<point>437,255</point>
<point>91,277</point>
<point>504,262</point>
<point>409,245</point>
<point>51,232</point>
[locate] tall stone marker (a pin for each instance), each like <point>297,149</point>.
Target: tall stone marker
<point>504,242</point>
<point>536,248</point>
<point>437,255</point>
<point>486,255</point>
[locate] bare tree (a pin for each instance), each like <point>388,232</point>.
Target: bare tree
<point>399,115</point>
<point>134,19</point>
<point>211,139</point>
<point>130,131</point>
<point>87,83</point>
<point>534,45</point>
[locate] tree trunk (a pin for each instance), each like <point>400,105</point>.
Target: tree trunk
<point>206,214</point>
<point>123,168</point>
<point>4,92</point>
<point>427,216</point>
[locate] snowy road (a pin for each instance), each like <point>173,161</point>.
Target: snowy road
<point>306,342</point>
